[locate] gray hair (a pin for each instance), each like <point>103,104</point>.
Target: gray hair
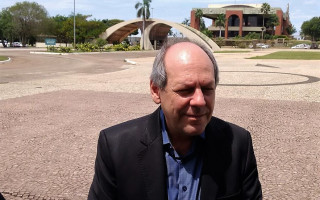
<point>159,76</point>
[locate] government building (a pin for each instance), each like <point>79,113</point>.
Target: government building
<point>241,19</point>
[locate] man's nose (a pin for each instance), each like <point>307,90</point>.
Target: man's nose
<point>197,98</point>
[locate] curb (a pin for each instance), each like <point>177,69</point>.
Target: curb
<point>130,61</point>
<point>47,53</point>
<point>9,59</point>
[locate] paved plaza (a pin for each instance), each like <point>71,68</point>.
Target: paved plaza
<point>52,108</point>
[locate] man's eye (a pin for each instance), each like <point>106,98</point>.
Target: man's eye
<point>207,90</point>
<point>185,91</point>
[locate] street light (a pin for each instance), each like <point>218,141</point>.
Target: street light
<point>74,23</point>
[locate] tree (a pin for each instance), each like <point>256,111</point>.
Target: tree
<point>58,22</point>
<point>143,10</point>
<point>265,9</point>
<point>28,19</point>
<point>86,30</point>
<point>272,21</point>
<point>202,25</point>
<point>312,28</point>
<point>291,30</point>
<point>199,13</point>
<point>186,22</point>
<point>220,22</point>
<point>6,26</point>
<point>111,22</point>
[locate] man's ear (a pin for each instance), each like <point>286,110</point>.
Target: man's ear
<point>155,92</point>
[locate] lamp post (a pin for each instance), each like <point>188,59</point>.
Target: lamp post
<point>74,23</point>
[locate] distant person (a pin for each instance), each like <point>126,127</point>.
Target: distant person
<point>179,151</point>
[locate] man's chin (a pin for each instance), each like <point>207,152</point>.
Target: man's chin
<point>193,130</point>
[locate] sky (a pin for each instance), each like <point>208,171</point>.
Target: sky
<point>171,10</point>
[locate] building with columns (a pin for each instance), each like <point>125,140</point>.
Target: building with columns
<point>241,19</point>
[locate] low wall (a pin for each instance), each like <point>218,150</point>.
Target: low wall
<point>42,44</point>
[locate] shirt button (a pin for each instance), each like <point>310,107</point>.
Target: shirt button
<point>184,188</point>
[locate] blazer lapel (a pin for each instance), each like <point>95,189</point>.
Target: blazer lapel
<point>152,161</point>
<point>216,159</point>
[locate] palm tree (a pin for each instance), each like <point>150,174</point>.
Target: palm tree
<point>220,22</point>
<point>144,11</point>
<point>265,9</point>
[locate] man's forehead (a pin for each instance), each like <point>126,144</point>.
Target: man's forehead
<point>182,52</point>
<point>182,47</point>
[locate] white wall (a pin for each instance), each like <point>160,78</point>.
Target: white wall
<point>42,44</point>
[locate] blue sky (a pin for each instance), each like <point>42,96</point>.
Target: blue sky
<point>172,10</point>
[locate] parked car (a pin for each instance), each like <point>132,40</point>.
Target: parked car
<point>16,44</point>
<point>4,42</point>
<point>262,45</point>
<point>301,46</point>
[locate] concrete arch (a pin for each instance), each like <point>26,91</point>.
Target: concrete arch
<point>156,29</point>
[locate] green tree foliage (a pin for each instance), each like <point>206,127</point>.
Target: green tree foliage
<point>265,9</point>
<point>28,19</point>
<point>6,26</point>
<point>199,13</point>
<point>101,42</point>
<point>291,30</point>
<point>186,22</point>
<point>86,30</point>
<point>202,25</point>
<point>220,22</point>
<point>272,21</point>
<point>58,22</point>
<point>143,10</point>
<point>312,28</point>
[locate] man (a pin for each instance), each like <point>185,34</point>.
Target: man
<point>180,151</point>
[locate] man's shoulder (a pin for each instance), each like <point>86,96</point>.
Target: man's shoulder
<point>221,128</point>
<point>134,126</point>
<point>130,125</point>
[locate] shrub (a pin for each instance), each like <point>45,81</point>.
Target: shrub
<point>134,48</point>
<point>220,42</point>
<point>51,48</point>
<point>101,42</point>
<point>241,44</point>
<point>65,49</point>
<point>87,47</point>
<point>252,35</point>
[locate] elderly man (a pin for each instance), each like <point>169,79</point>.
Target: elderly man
<point>180,151</point>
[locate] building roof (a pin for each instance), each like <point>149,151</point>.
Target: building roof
<point>234,5</point>
<point>214,10</point>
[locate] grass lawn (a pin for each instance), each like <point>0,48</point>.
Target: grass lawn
<point>291,55</point>
<point>232,51</point>
<point>2,58</point>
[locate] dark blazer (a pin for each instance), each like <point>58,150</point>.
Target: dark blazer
<point>130,162</point>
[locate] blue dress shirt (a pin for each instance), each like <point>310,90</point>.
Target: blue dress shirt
<point>183,171</point>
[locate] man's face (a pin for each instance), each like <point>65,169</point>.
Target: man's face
<point>188,98</point>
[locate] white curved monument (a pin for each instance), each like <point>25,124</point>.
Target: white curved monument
<point>156,30</point>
